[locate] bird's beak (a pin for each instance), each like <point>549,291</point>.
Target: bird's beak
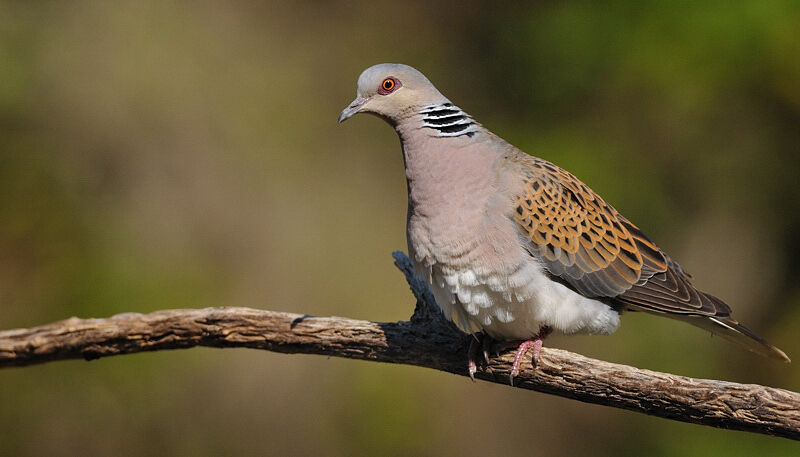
<point>353,108</point>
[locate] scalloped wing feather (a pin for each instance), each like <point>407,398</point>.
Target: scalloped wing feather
<point>586,243</point>
<point>578,236</point>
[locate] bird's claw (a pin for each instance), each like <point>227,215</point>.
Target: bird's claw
<point>482,344</point>
<point>472,352</point>
<point>534,344</point>
<point>478,344</point>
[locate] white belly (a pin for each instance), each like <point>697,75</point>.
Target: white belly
<point>515,302</point>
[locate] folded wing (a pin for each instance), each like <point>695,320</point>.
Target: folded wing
<point>588,245</point>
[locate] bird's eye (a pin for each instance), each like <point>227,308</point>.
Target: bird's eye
<point>388,86</point>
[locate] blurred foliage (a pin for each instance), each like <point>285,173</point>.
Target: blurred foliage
<point>185,154</point>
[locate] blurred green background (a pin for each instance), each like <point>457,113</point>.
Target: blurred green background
<point>186,154</point>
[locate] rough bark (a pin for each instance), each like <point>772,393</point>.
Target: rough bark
<point>426,340</point>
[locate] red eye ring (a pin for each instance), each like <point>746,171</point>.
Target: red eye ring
<point>389,85</point>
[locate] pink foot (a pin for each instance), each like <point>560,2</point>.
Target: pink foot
<point>534,343</point>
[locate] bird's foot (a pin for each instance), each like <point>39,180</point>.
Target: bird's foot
<point>534,344</point>
<point>479,343</point>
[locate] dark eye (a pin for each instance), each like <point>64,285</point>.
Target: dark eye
<point>388,86</point>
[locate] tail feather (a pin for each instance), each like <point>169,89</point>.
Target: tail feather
<point>737,333</point>
<point>670,294</point>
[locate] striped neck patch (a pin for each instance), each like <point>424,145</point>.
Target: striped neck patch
<point>448,120</point>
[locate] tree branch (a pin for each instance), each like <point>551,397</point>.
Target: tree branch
<point>427,340</point>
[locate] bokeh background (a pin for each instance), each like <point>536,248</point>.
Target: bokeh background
<point>185,154</point>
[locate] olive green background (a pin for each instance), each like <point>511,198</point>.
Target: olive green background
<point>186,154</point>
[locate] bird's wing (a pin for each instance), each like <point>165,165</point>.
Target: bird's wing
<point>585,242</point>
<point>579,237</point>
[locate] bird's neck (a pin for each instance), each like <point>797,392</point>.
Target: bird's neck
<point>442,154</point>
<point>443,120</point>
<point>435,126</point>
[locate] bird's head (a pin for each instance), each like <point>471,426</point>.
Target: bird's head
<point>392,91</point>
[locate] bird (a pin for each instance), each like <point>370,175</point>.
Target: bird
<point>513,247</point>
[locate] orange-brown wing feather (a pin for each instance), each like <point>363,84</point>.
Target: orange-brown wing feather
<point>579,237</point>
<point>586,243</point>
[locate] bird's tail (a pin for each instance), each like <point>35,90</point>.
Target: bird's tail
<point>735,332</point>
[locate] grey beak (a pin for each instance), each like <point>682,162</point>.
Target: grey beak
<point>352,109</point>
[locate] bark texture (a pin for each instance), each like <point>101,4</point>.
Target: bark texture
<point>426,340</point>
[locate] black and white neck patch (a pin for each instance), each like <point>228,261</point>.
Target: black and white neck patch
<point>448,120</point>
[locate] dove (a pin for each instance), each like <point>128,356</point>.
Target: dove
<point>513,247</point>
